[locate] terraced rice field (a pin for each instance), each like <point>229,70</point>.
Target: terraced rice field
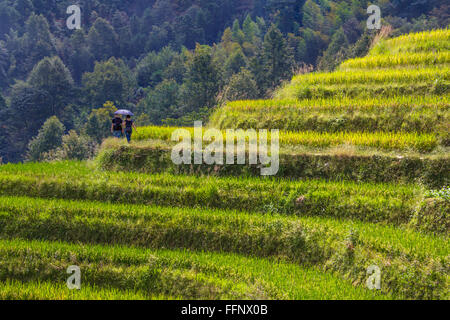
<point>364,151</point>
<point>424,114</point>
<point>380,140</point>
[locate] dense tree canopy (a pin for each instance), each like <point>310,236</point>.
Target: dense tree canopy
<point>48,138</point>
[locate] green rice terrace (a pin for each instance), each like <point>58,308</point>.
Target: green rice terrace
<point>363,181</point>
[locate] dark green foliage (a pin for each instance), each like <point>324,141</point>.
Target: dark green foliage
<point>8,17</point>
<point>312,16</point>
<point>98,124</point>
<point>161,102</point>
<point>277,57</point>
<point>28,110</point>
<point>52,77</point>
<point>237,34</point>
<point>335,53</point>
<point>33,46</point>
<point>4,65</point>
<point>109,82</point>
<point>311,44</point>
<point>102,40</point>
<point>202,80</point>
<point>234,63</point>
<point>150,71</point>
<point>250,29</point>
<point>361,47</point>
<point>48,138</point>
<point>73,147</point>
<point>80,58</point>
<point>3,105</point>
<point>242,86</point>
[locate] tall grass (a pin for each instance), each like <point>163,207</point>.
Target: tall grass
<point>367,83</point>
<point>435,86</point>
<point>398,60</point>
<point>38,290</point>
<point>205,229</point>
<point>368,202</point>
<point>380,140</point>
<point>186,274</point>
<point>342,104</point>
<point>310,241</point>
<point>296,162</point>
<point>405,113</point>
<point>385,76</point>
<point>436,40</point>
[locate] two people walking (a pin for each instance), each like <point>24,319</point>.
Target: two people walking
<point>120,127</point>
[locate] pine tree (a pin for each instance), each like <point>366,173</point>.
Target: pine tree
<point>202,81</point>
<point>250,29</point>
<point>238,35</point>
<point>80,58</point>
<point>335,53</point>
<point>4,65</point>
<point>277,57</point>
<point>51,76</point>
<point>242,86</point>
<point>161,102</point>
<point>37,42</point>
<point>312,16</point>
<point>102,39</point>
<point>234,63</point>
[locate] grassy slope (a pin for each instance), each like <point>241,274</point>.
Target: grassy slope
<point>380,140</point>
<point>402,85</point>
<point>71,180</point>
<point>427,114</point>
<point>296,162</point>
<point>368,121</point>
<point>185,274</point>
<point>167,236</point>
<point>345,246</point>
<point>39,290</point>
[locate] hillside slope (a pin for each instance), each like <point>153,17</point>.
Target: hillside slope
<point>382,118</point>
<point>362,160</point>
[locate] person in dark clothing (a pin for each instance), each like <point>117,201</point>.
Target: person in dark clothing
<point>116,127</point>
<point>129,125</point>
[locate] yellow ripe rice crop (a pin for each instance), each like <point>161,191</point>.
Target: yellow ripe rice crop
<point>437,40</point>
<point>378,77</point>
<point>365,83</point>
<point>339,104</point>
<point>382,140</point>
<point>400,59</point>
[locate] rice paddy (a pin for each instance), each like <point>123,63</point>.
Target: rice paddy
<point>363,181</point>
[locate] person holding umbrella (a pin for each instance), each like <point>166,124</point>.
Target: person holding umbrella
<point>117,126</point>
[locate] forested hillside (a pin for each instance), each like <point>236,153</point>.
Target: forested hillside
<point>170,62</point>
